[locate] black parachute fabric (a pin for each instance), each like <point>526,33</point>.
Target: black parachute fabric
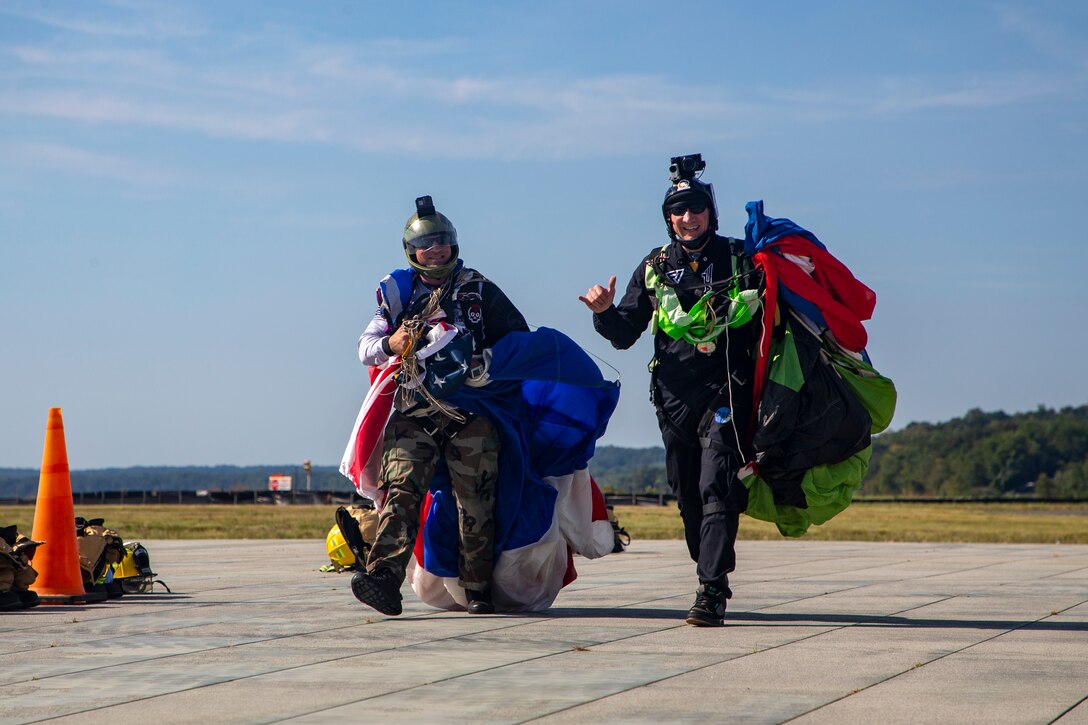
<point>820,399</point>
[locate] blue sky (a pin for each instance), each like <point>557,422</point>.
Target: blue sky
<point>197,199</point>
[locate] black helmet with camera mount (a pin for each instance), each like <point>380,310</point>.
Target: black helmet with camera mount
<point>425,229</point>
<point>687,190</point>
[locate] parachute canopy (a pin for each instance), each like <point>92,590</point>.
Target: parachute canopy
<point>817,397</point>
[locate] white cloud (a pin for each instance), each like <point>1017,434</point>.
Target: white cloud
<point>347,102</point>
<point>271,86</point>
<point>129,20</point>
<point>73,160</point>
<point>903,94</point>
<point>973,92</point>
<point>1048,39</point>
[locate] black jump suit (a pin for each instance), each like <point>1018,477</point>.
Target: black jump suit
<point>703,398</point>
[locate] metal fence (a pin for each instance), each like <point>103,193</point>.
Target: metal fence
<point>275,498</point>
<point>345,498</point>
<point>129,498</point>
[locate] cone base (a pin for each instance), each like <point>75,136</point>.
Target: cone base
<point>86,598</point>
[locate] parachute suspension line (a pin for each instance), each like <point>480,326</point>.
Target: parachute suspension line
<point>602,360</point>
<point>732,408</point>
<point>411,369</point>
<point>710,327</point>
<point>587,352</point>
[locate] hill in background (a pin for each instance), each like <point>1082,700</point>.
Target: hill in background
<point>1044,453</point>
<point>617,469</point>
<point>980,455</point>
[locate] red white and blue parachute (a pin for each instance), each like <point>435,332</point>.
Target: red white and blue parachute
<point>550,404</point>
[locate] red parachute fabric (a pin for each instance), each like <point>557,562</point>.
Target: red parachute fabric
<point>370,425</point>
<point>418,550</point>
<point>844,301</point>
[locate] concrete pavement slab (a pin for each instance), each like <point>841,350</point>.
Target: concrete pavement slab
<point>817,631</point>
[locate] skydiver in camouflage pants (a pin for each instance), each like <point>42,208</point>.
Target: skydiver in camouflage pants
<point>422,432</point>
<point>411,455</point>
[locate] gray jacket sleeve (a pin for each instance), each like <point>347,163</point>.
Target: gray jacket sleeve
<point>374,342</point>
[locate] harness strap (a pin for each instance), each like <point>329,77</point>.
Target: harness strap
<point>701,323</point>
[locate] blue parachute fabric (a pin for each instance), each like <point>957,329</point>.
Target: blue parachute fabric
<point>550,404</point>
<point>544,354</point>
<point>807,308</point>
<point>564,423</point>
<point>762,230</point>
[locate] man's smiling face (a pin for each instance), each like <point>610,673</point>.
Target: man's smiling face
<point>690,225</point>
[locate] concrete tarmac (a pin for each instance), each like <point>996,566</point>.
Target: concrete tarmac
<point>817,632</point>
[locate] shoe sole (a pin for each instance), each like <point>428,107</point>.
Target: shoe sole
<point>697,622</point>
<point>370,593</point>
<point>488,610</point>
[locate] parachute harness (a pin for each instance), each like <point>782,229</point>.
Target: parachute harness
<point>701,324</point>
<point>412,372</point>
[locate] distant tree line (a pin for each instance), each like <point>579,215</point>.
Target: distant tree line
<point>616,470</point>
<point>980,455</point>
<point>629,470</point>
<point>23,482</point>
<point>1044,453</point>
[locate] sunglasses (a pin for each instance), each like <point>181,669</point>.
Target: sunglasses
<point>679,209</point>
<point>438,239</point>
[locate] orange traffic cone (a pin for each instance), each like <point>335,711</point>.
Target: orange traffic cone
<point>57,563</point>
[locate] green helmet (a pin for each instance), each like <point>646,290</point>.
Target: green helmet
<point>425,229</point>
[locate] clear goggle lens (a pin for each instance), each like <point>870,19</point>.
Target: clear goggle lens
<point>438,239</point>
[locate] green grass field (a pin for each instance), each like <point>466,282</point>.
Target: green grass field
<point>919,522</point>
<point>1019,523</point>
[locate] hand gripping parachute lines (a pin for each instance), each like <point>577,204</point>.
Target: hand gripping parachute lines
<point>818,398</point>
<point>550,404</point>
<point>363,454</point>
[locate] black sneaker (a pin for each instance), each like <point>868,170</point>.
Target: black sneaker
<point>709,607</point>
<point>479,602</point>
<point>379,589</point>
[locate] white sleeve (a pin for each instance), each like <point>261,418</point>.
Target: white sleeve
<point>371,350</point>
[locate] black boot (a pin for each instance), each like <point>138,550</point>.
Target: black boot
<point>349,529</point>
<point>709,607</point>
<point>379,589</point>
<point>10,601</point>
<point>479,602</point>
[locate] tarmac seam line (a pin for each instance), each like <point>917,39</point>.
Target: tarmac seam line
<point>928,662</point>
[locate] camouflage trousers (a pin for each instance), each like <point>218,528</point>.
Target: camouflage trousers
<point>413,447</point>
